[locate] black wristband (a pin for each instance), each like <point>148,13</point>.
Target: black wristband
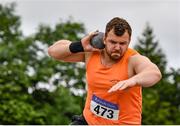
<point>76,47</point>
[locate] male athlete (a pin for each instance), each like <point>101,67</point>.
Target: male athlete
<point>115,75</point>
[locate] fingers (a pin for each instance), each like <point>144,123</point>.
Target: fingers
<point>122,85</point>
<point>91,34</point>
<point>115,87</point>
<point>119,86</point>
<point>86,42</point>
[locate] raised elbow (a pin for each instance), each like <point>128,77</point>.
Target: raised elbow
<point>159,75</point>
<point>50,51</point>
<point>53,52</point>
<point>154,79</point>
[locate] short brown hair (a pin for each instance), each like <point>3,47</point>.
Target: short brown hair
<point>119,25</point>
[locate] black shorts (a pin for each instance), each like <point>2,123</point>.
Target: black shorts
<point>78,120</point>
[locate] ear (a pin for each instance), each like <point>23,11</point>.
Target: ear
<point>129,40</point>
<point>104,38</point>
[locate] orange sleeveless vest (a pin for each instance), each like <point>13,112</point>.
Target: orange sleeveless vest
<point>120,107</point>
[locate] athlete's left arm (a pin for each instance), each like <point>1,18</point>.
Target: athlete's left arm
<point>146,74</point>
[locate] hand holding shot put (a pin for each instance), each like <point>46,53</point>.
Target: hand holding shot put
<point>115,74</point>
<point>89,44</point>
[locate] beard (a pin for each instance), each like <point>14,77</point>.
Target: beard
<point>114,55</point>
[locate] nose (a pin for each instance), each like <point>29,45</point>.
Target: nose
<point>117,46</point>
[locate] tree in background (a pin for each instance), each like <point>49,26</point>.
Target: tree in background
<point>27,70</point>
<point>66,76</point>
<point>160,104</point>
<point>15,101</point>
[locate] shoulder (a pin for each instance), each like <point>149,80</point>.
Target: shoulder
<point>139,63</point>
<point>135,56</point>
<point>131,51</point>
<point>89,55</point>
<point>138,59</point>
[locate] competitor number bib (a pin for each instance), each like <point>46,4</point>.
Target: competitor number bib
<point>104,109</point>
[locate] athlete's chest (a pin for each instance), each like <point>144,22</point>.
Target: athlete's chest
<point>102,78</point>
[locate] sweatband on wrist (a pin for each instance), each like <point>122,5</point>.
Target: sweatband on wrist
<point>76,47</point>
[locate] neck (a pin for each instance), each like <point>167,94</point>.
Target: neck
<point>106,60</point>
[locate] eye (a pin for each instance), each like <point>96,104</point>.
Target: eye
<point>123,43</point>
<point>113,42</point>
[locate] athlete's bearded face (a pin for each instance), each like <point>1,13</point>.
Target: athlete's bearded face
<point>116,46</point>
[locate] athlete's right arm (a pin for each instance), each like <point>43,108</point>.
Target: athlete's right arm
<point>60,51</point>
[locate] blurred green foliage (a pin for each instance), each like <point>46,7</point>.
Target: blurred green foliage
<point>26,70</point>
